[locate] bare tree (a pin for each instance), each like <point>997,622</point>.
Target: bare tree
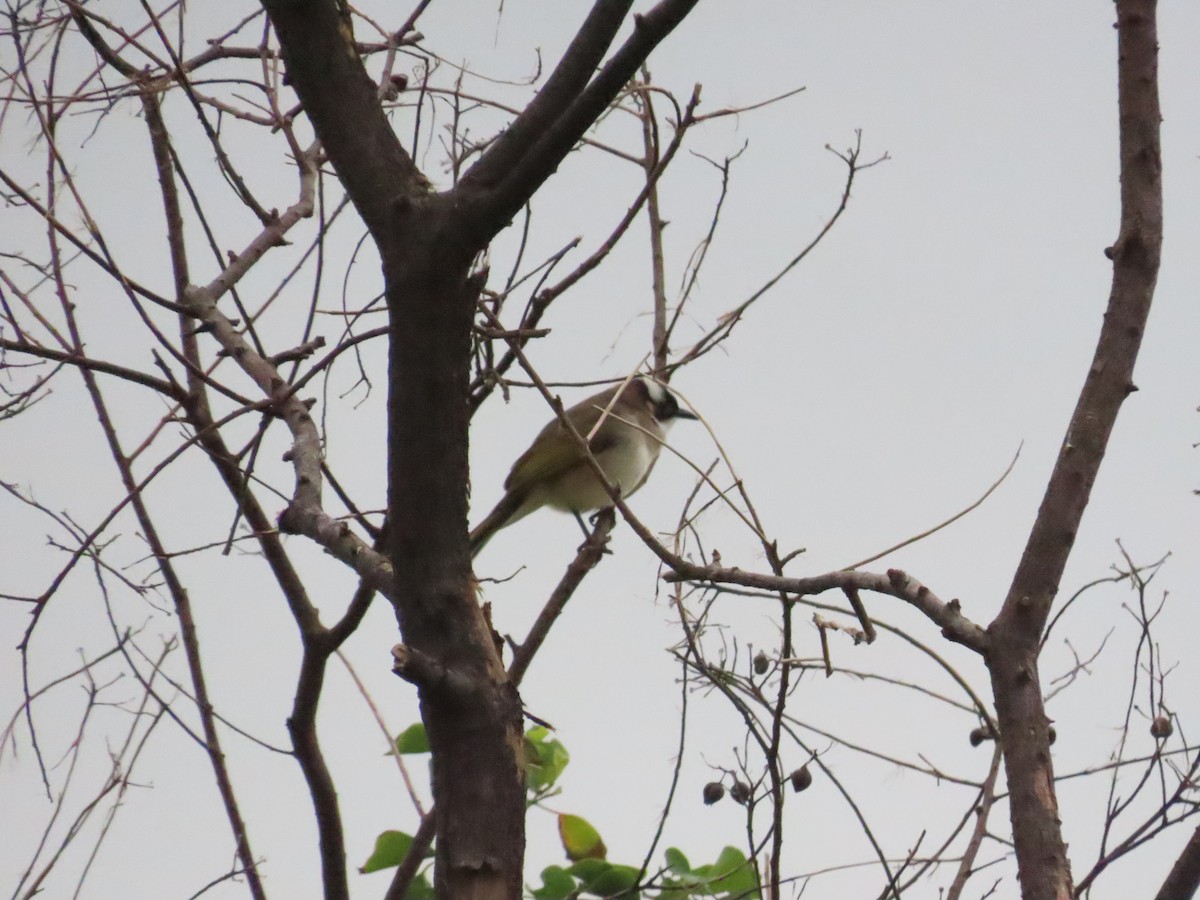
<point>321,82</point>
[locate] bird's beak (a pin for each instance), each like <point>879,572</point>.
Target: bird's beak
<point>684,414</point>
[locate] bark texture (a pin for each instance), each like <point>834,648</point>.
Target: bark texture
<point>1184,878</point>
<point>428,243</point>
<point>1014,636</point>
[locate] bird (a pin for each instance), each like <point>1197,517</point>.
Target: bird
<point>633,418</point>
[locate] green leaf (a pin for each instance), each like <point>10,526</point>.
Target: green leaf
<point>732,875</point>
<point>579,839</point>
<point>731,858</point>
<point>413,739</point>
<point>420,889</point>
<point>604,879</point>
<point>557,884</point>
<point>677,862</point>
<point>729,876</point>
<point>390,849</point>
<point>587,868</point>
<point>545,759</point>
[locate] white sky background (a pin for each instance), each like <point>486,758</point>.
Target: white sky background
<point>949,317</point>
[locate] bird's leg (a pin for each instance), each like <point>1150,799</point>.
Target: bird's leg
<point>590,527</point>
<point>582,526</point>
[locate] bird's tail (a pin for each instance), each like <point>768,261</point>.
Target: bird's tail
<point>507,511</point>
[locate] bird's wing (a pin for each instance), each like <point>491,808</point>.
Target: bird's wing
<point>557,451</point>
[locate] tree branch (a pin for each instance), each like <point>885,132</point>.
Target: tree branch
<point>896,583</point>
<point>527,174</point>
<point>587,558</point>
<point>1184,878</point>
<point>341,100</point>
<point>561,89</point>
<point>1015,634</point>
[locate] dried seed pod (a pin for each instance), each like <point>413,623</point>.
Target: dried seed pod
<point>740,792</point>
<point>801,779</point>
<point>762,663</point>
<point>980,734</point>
<point>713,791</point>
<point>1161,727</point>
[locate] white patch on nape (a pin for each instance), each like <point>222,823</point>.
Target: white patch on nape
<point>657,392</point>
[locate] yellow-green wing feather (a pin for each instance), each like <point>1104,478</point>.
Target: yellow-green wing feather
<point>554,450</point>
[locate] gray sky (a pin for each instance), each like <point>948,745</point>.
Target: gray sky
<point>947,320</point>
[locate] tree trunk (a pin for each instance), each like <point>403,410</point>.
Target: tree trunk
<point>471,711</point>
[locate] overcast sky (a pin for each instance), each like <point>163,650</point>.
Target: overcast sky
<point>946,321</point>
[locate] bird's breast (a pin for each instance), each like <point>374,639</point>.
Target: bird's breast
<point>626,465</point>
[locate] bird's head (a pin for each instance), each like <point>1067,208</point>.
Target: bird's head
<point>664,405</point>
